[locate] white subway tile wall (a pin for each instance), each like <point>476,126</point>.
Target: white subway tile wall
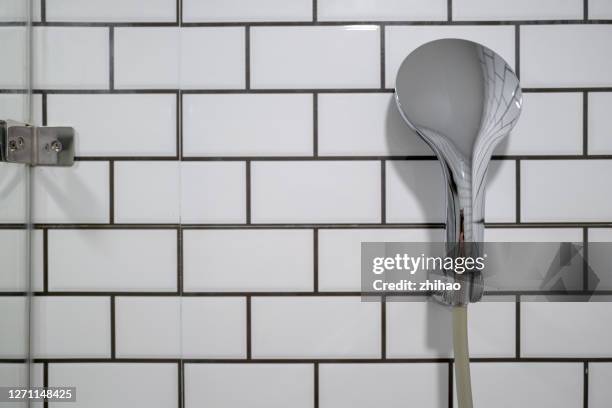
<point>566,56</point>
<point>517,10</point>
<point>315,57</point>
<point>269,125</point>
<point>232,155</point>
<point>315,327</point>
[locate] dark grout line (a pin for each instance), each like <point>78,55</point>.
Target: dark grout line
<point>517,327</point>
<point>46,380</point>
<point>248,328</point>
<point>179,125</point>
<point>315,261</point>
<point>383,327</point>
<point>517,177</point>
<point>552,225</point>
<point>517,51</point>
<point>113,326</point>
<point>44,109</point>
<point>43,11</point>
<point>312,294</point>
<point>382,56</point>
<point>451,388</point>
<point>585,12</point>
<point>179,261</point>
<point>447,22</point>
<point>316,384</point>
<point>449,11</point>
<point>315,124</point>
<point>45,233</point>
<point>585,385</point>
<point>111,194</point>
<point>223,91</point>
<point>179,12</point>
<point>585,259</point>
<point>248,191</point>
<point>181,384</point>
<point>332,158</point>
<point>315,11</point>
<point>383,192</point>
<point>417,360</point>
<point>585,123</point>
<point>111,58</point>
<point>247,57</point>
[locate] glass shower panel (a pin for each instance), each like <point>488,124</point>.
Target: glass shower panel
<point>15,232</point>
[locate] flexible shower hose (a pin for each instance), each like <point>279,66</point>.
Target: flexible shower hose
<point>462,357</point>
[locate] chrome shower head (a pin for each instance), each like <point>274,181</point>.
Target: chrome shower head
<point>462,99</point>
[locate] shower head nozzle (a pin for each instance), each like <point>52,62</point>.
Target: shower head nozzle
<point>462,99</point>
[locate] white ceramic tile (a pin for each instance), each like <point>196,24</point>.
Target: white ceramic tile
<point>556,190</point>
<point>189,57</point>
<point>315,57</point>
<point>600,123</point>
<point>600,393</point>
<point>249,385</point>
<point>213,327</point>
<point>147,192</point>
<point>14,254</point>
<point>112,260</point>
<point>246,10</point>
<point>71,57</point>
<point>13,69</point>
<point>533,234</point>
<point>415,191</point>
<point>13,325</point>
<point>117,125</point>
<point>600,9</point>
<point>13,182</point>
<point>77,194</point>
<point>315,327</point>
<point>527,385</point>
<point>402,40</point>
<point>111,10</point>
<point>550,123</point>
<point>387,10</point>
<point>248,260</point>
<point>566,55</point>
<point>72,326</point>
<point>14,10</point>
<point>600,257</point>
<point>429,334</point>
<point>268,125</point>
<point>118,385</point>
<point>212,57</point>
<point>340,252</point>
<point>517,10</point>
<point>383,385</point>
<point>566,329</point>
<point>500,187</point>
<point>147,57</point>
<point>213,192</point>
<point>366,124</point>
<point>13,106</point>
<point>315,191</point>
<point>148,327</point>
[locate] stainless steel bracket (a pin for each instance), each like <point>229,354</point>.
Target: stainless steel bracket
<point>36,145</point>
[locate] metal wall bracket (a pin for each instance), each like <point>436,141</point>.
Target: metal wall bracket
<point>36,145</point>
